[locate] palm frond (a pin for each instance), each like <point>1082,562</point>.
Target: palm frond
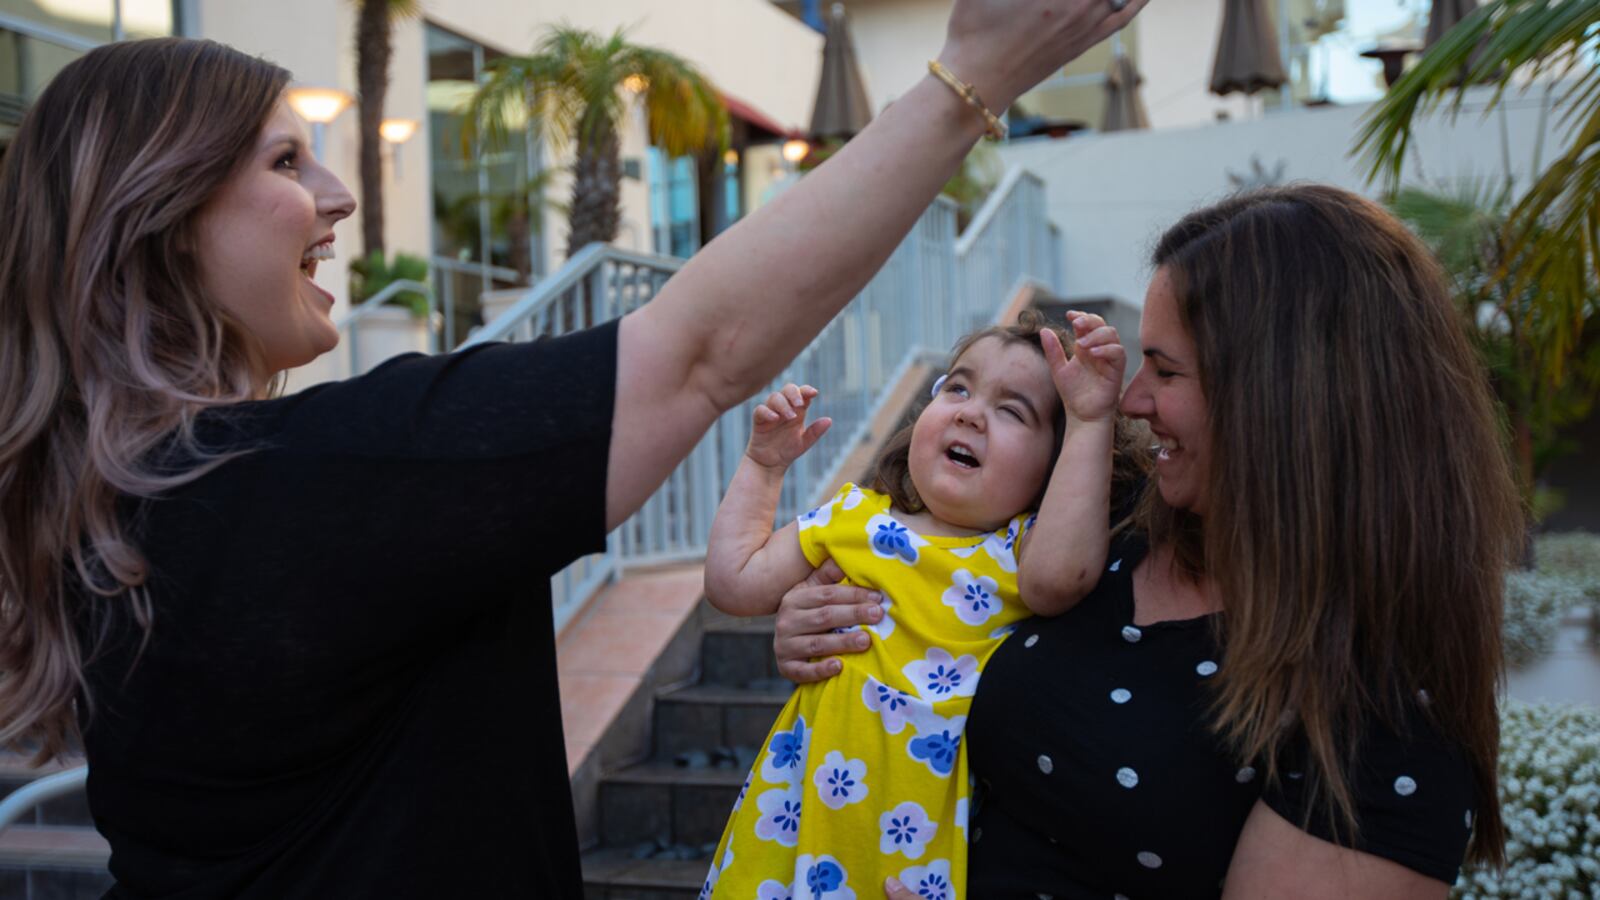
<point>685,110</point>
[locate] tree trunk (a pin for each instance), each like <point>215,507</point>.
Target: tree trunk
<point>596,209</point>
<point>372,77</point>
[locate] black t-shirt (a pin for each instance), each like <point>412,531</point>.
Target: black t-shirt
<point>350,686</point>
<point>1098,776</point>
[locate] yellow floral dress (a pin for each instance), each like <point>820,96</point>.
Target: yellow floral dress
<point>864,775</point>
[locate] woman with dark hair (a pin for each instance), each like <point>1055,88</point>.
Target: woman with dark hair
<point>1284,683</point>
<point>285,627</point>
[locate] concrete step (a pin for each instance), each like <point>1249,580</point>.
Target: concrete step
<point>738,653</point>
<point>702,717</point>
<point>59,863</point>
<point>615,874</point>
<point>667,804</point>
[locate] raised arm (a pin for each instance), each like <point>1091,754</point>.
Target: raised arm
<point>746,305</point>
<point>1059,559</point>
<point>748,565</point>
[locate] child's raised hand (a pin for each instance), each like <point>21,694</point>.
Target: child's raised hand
<point>1090,381</point>
<point>780,434</point>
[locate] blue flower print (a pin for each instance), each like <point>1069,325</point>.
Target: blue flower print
<point>938,750</point>
<point>780,815</point>
<point>939,676</point>
<point>840,781</point>
<point>786,754</point>
<point>975,598</point>
<point>1002,547</point>
<point>892,539</point>
<point>816,518</point>
<point>824,877</point>
<point>821,878</point>
<point>893,706</point>
<point>709,886</point>
<point>905,829</point>
<point>773,890</point>
<point>931,882</point>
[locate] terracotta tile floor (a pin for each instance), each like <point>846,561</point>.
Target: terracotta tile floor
<point>603,655</point>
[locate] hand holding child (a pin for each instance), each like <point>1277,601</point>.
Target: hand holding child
<point>779,434</point>
<point>1090,381</point>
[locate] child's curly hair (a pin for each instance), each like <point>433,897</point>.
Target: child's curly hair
<point>891,472</point>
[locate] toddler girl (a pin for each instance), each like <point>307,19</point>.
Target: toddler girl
<point>864,775</point>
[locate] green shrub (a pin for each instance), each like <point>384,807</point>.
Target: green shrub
<point>1535,603</point>
<point>370,275</point>
<point>1550,800</point>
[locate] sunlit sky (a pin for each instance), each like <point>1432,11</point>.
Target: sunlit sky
<point>1349,77</point>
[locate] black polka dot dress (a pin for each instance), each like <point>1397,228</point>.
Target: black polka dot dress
<point>1098,777</point>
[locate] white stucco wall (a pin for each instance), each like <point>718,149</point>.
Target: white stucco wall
<point>1113,194</point>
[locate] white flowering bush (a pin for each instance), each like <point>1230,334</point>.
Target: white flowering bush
<point>1550,800</point>
<point>1534,605</point>
<point>1574,555</point>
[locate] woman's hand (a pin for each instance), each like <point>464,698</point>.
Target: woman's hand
<point>1005,47</point>
<point>894,890</point>
<point>1090,381</point>
<point>804,638</point>
<point>778,433</point>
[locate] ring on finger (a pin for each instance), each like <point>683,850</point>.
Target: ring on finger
<point>1118,5</point>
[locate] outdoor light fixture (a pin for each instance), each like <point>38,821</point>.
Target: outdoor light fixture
<point>394,133</point>
<point>635,84</point>
<point>794,150</point>
<point>730,157</point>
<point>319,106</point>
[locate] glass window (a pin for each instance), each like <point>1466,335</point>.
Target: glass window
<point>1327,38</point>
<point>674,204</point>
<point>486,233</point>
<point>26,66</point>
<point>86,19</point>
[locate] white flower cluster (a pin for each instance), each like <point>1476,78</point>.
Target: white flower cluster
<point>1574,555</point>
<point>1550,801</point>
<point>1534,605</point>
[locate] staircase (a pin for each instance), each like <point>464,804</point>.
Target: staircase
<point>659,820</point>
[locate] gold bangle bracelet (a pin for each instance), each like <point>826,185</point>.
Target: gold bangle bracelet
<point>994,128</point>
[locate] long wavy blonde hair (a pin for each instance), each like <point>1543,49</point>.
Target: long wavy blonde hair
<point>108,345</point>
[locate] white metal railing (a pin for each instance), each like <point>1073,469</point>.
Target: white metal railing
<point>447,271</point>
<point>347,325</point>
<point>22,800</point>
<point>935,287</point>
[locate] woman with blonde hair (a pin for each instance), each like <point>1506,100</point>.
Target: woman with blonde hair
<point>285,628</point>
<point>1284,683</point>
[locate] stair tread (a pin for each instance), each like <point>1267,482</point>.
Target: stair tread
<point>658,772</point>
<point>616,867</point>
<point>733,625</point>
<point>53,845</point>
<point>724,694</point>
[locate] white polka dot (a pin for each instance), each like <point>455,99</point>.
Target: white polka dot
<point>1244,775</point>
<point>1116,565</point>
<point>1131,634</point>
<point>977,835</point>
<point>1149,860</point>
<point>1296,776</point>
<point>1045,764</point>
<point>1046,896</point>
<point>1127,777</point>
<point>1469,820</point>
<point>1121,695</point>
<point>1119,897</point>
<point>1206,669</point>
<point>1405,786</point>
<point>1032,639</point>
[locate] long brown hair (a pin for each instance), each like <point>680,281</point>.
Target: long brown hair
<point>1363,509</point>
<point>108,345</point>
<point>891,471</point>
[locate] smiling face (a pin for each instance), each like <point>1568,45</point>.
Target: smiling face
<point>260,238</point>
<point>1166,393</point>
<point>982,448</point>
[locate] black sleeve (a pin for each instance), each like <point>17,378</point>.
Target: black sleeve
<point>414,496</point>
<point>1414,800</point>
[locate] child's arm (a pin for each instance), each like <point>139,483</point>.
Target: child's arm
<point>748,565</point>
<point>1073,532</point>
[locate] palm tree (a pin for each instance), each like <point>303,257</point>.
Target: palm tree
<point>375,20</point>
<point>576,86</point>
<point>1510,326</point>
<point>1550,242</point>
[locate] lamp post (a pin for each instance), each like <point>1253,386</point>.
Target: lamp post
<point>319,106</point>
<point>794,150</point>
<point>396,132</point>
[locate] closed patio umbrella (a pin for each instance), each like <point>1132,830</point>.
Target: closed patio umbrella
<point>842,109</point>
<point>1248,58</point>
<point>1124,104</point>
<point>1445,15</point>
